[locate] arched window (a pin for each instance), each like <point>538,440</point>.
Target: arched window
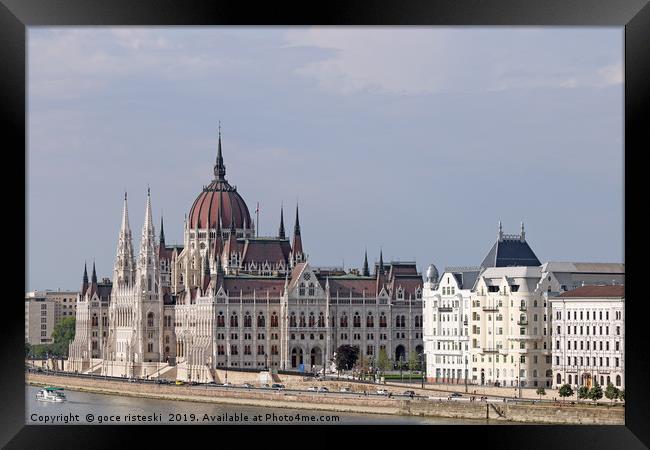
<point>292,319</point>
<point>221,320</point>
<point>344,321</point>
<point>150,319</point>
<point>357,320</point>
<point>301,289</point>
<point>260,320</point>
<point>403,321</point>
<point>397,321</point>
<point>382,320</point>
<point>311,288</point>
<point>303,322</point>
<point>312,319</point>
<point>95,320</point>
<point>570,379</point>
<point>559,379</point>
<point>618,380</point>
<point>234,321</point>
<point>274,320</point>
<point>247,320</point>
<point>321,320</point>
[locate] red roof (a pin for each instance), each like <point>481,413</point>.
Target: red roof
<point>219,199</point>
<point>615,290</point>
<point>260,251</point>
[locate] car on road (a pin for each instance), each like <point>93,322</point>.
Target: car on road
<point>312,388</point>
<point>345,389</point>
<point>247,385</point>
<point>382,392</point>
<point>132,380</point>
<point>323,389</point>
<point>455,395</point>
<point>179,383</point>
<point>277,386</point>
<point>266,386</point>
<point>227,384</point>
<point>409,393</point>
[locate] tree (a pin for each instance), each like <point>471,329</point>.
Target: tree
<point>346,357</point>
<point>621,394</point>
<point>28,349</point>
<point>596,392</point>
<point>362,366</point>
<point>40,350</point>
<point>566,391</point>
<point>540,391</point>
<point>413,361</point>
<point>383,363</point>
<point>611,392</point>
<point>62,335</point>
<point>583,392</point>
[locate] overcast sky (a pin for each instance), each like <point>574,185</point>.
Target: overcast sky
<point>414,139</point>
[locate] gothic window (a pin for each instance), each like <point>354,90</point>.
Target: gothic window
<point>274,320</point>
<point>221,321</point>
<point>301,289</point>
<point>95,320</point>
<point>417,321</point>
<point>247,320</point>
<point>382,320</point>
<point>150,347</point>
<point>303,322</point>
<point>344,321</point>
<point>292,319</point>
<point>234,321</point>
<point>312,319</point>
<point>311,289</point>
<point>234,350</point>
<point>357,320</point>
<point>397,321</point>
<point>400,294</point>
<point>150,319</point>
<point>321,320</point>
<point>403,321</point>
<point>370,320</point>
<point>260,320</point>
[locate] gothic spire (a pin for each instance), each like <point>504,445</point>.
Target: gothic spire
<point>281,232</point>
<point>94,276</point>
<point>366,272</point>
<point>84,284</point>
<point>381,261</point>
<point>296,248</point>
<point>219,167</point>
<point>162,233</point>
<point>296,228</point>
<point>124,269</point>
<point>148,241</point>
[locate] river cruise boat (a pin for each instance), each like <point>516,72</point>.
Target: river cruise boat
<point>51,394</point>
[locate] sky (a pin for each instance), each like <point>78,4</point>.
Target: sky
<point>413,140</point>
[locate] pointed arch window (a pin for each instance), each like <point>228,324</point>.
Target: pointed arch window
<point>301,289</point>
<point>344,320</point>
<point>260,320</point>
<point>303,322</point>
<point>234,320</point>
<point>292,319</point>
<point>274,320</point>
<point>356,320</point>
<point>311,289</point>
<point>321,319</point>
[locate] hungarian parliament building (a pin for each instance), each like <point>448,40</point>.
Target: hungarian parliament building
<point>228,298</point>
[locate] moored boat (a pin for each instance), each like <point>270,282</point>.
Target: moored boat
<point>51,394</point>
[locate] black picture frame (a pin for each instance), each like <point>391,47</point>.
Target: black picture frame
<point>634,15</point>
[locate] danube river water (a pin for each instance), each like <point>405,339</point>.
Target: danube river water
<point>90,408</point>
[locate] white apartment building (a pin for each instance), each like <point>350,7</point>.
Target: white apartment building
<point>589,336</point>
<point>446,312</point>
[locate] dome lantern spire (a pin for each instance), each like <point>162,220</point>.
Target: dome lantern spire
<point>219,167</point>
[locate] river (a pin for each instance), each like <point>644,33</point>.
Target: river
<point>87,408</point>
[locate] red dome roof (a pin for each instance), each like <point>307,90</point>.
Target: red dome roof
<point>219,199</point>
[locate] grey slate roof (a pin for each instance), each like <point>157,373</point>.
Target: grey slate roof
<point>510,252</point>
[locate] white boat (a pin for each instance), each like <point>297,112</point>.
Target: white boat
<point>51,394</point>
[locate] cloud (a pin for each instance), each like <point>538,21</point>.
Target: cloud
<point>437,60</point>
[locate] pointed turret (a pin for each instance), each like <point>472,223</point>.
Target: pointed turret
<point>366,271</point>
<point>162,233</point>
<point>381,262</point>
<point>500,234</point>
<point>281,234</point>
<point>522,235</point>
<point>296,249</point>
<point>124,269</point>
<point>219,167</point>
<point>84,284</point>
<point>93,280</point>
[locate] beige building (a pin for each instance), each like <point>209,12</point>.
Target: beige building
<point>43,310</point>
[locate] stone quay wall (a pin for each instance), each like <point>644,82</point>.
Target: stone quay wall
<point>539,413</point>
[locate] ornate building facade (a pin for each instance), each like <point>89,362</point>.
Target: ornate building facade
<point>228,298</point>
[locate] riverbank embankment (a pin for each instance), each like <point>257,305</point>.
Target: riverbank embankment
<point>538,413</point>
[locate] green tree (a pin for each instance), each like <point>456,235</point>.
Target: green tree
<point>583,392</point>
<point>611,392</point>
<point>346,357</point>
<point>62,335</point>
<point>540,391</point>
<point>621,394</point>
<point>413,361</point>
<point>566,391</point>
<point>362,366</point>
<point>383,363</point>
<point>596,392</point>
<point>28,349</point>
<point>39,351</point>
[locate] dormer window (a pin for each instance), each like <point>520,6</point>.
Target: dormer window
<point>400,294</point>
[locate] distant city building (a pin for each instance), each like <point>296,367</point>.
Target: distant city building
<point>43,310</point>
<point>228,298</point>
<point>589,336</point>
